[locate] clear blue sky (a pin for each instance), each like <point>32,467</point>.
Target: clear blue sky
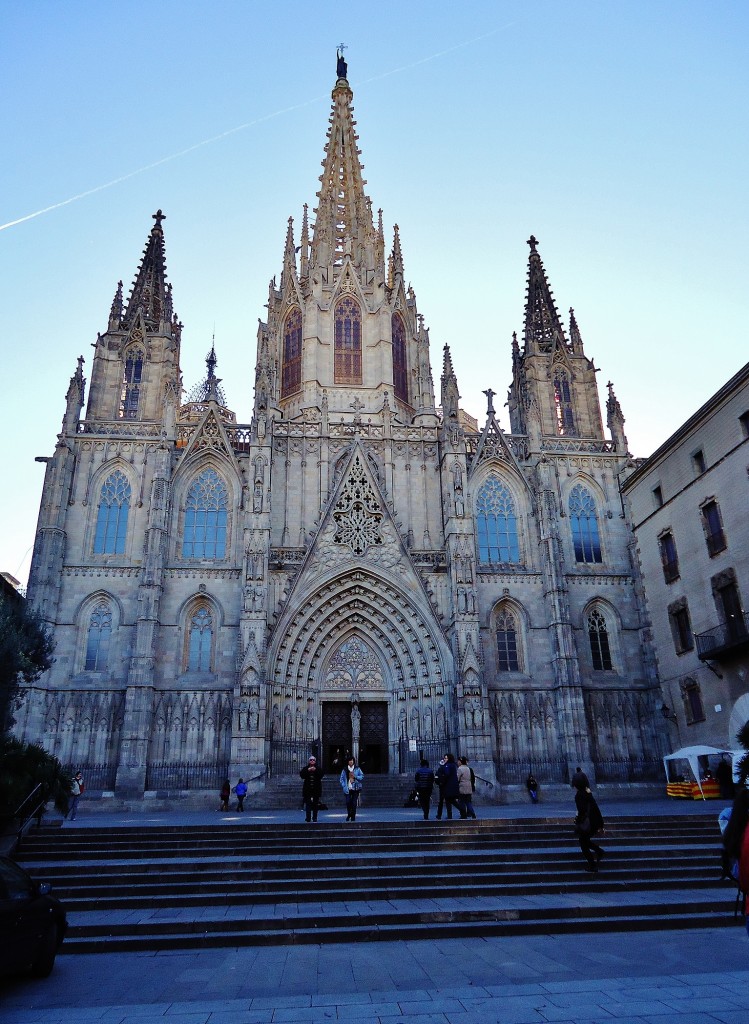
<point>617,133</point>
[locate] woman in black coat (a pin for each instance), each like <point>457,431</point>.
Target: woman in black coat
<point>588,822</point>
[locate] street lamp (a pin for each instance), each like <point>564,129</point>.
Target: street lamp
<point>668,714</point>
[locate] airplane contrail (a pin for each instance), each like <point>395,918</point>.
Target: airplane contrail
<point>243,127</point>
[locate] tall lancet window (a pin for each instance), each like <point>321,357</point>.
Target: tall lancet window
<point>347,342</point>
<point>97,640</point>
<point>507,642</point>
<point>497,523</point>
<point>111,518</point>
<point>563,403</point>
<point>132,375</point>
<point>600,649</point>
<point>584,525</point>
<point>200,641</point>
<point>206,514</point>
<point>400,362</point>
<point>291,378</point>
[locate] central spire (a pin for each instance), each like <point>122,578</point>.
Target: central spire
<point>343,225</point>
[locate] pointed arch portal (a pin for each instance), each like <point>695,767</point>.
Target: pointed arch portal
<point>361,640</point>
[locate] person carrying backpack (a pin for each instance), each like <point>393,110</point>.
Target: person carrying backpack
<point>76,790</point>
<point>424,782</point>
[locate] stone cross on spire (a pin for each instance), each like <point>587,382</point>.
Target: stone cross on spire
<point>490,410</point>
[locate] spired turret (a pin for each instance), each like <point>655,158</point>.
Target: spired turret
<point>136,361</point>
<point>337,322</point>
<point>554,383</point>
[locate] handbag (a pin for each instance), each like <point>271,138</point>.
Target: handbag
<point>582,828</point>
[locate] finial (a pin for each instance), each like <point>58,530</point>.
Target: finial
<point>158,217</point>
<point>489,403</point>
<point>210,359</point>
<point>532,242</point>
<point>341,66</point>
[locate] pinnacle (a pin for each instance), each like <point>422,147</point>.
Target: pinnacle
<point>149,291</point>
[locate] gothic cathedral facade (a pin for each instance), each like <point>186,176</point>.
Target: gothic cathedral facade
<point>359,567</point>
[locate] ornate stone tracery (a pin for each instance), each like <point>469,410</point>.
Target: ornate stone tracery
<point>357,513</point>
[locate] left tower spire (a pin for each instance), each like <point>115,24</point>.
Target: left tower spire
<point>150,295</point>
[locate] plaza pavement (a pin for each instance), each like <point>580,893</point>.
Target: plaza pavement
<point>696,976</point>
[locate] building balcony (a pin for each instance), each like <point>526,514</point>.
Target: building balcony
<point>724,641</point>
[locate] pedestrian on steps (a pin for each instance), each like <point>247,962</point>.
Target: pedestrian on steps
<point>311,776</point>
<point>424,782</point>
<point>224,796</point>
<point>241,792</point>
<point>351,780</point>
<point>451,788</point>
<point>466,786</point>
<point>588,822</point>
<point>76,790</point>
<point>439,778</point>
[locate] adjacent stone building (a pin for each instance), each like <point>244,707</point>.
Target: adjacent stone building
<point>359,567</point>
<point>688,505</point>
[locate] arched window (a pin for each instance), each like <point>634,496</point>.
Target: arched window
<point>347,342</point>
<point>111,518</point>
<point>400,363</point>
<point>132,375</point>
<point>205,517</point>
<point>508,659</point>
<point>584,525</point>
<point>497,523</point>
<point>563,403</point>
<point>97,639</point>
<point>200,641</point>
<point>291,377</point>
<point>600,649</point>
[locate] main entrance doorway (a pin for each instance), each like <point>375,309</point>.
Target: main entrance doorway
<point>337,735</point>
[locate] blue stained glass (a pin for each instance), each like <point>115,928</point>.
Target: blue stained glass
<point>584,525</point>
<point>97,641</point>
<point>201,637</point>
<point>496,523</point>
<point>111,519</point>
<point>206,517</point>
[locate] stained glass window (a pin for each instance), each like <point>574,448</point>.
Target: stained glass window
<point>563,404</point>
<point>291,378</point>
<point>206,513</point>
<point>600,649</point>
<point>507,642</point>
<point>97,640</point>
<point>201,638</point>
<point>497,523</point>
<point>400,363</point>
<point>111,519</point>
<point>132,375</point>
<point>347,342</point>
<point>584,525</point>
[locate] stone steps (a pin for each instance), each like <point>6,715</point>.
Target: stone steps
<point>240,884</point>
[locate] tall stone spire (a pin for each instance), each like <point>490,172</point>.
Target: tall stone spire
<point>543,328</point>
<point>615,421</point>
<point>149,293</point>
<point>343,224</point>
<point>576,340</point>
<point>449,397</point>
<point>115,313</point>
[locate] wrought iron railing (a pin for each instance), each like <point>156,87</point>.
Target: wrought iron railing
<point>723,636</point>
<point>95,775</point>
<point>514,773</point>
<point>288,757</point>
<point>432,750</point>
<point>632,770</point>
<point>178,775</point>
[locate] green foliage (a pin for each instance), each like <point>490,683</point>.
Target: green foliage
<point>25,652</point>
<point>26,765</point>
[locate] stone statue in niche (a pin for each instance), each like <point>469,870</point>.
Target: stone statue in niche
<point>299,723</point>
<point>474,714</point>
<point>441,721</point>
<point>244,707</point>
<point>355,722</point>
<point>403,724</point>
<point>458,490</point>
<point>258,599</point>
<point>428,723</point>
<point>287,724</point>
<point>276,721</point>
<point>470,602</point>
<point>310,722</point>
<point>462,604</point>
<point>249,598</point>
<point>415,731</point>
<point>253,716</point>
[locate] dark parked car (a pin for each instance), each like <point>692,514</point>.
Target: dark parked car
<point>32,923</point>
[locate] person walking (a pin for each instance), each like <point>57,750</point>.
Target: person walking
<point>439,778</point>
<point>424,782</point>
<point>466,784</point>
<point>588,823</point>
<point>224,796</point>
<point>241,792</point>
<point>76,790</point>
<point>312,778</point>
<point>351,783</point>
<point>451,788</point>
<point>532,786</point>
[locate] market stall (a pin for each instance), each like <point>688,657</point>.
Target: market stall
<point>698,787</point>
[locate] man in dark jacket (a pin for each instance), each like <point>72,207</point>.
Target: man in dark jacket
<point>311,789</point>
<point>451,788</point>
<point>424,782</point>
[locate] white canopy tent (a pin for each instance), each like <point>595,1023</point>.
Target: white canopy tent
<point>691,755</point>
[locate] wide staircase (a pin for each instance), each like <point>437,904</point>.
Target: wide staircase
<point>152,888</point>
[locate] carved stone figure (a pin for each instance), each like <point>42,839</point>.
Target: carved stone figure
<point>415,723</point>
<point>441,721</point>
<point>461,600</point>
<point>299,724</point>
<point>403,724</point>
<point>244,706</point>
<point>253,716</point>
<point>310,722</point>
<point>276,721</point>
<point>257,497</point>
<point>428,722</point>
<point>474,714</point>
<point>287,723</point>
